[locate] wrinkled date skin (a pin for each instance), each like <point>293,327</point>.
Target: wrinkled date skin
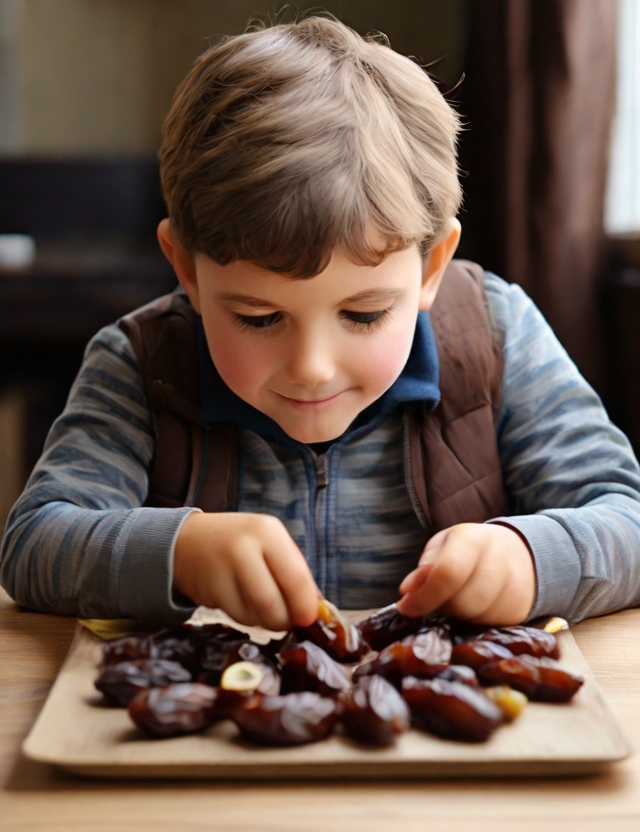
<point>217,654</point>
<point>341,639</point>
<point>176,645</point>
<point>227,653</point>
<point>460,673</point>
<point>475,654</point>
<point>524,640</point>
<point>125,649</point>
<point>121,682</point>
<point>423,654</point>
<point>539,682</point>
<point>374,712</point>
<point>175,710</point>
<point>287,720</point>
<point>308,667</point>
<point>386,625</point>
<point>451,710</point>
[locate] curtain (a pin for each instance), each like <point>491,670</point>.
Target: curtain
<point>538,102</point>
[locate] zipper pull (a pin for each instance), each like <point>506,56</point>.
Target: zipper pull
<point>321,471</point>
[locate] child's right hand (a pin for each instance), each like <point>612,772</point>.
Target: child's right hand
<point>247,565</point>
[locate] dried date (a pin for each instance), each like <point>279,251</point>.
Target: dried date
<point>524,640</point>
<point>125,649</point>
<point>119,683</point>
<point>287,720</point>
<point>539,681</point>
<point>374,712</point>
<point>386,625</point>
<point>224,655</point>
<point>308,667</point>
<point>422,655</point>
<point>451,709</point>
<point>476,654</point>
<point>176,710</point>
<point>460,673</point>
<point>341,639</point>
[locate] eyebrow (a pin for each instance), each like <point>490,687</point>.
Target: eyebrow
<point>247,300</point>
<point>370,295</point>
<point>374,295</point>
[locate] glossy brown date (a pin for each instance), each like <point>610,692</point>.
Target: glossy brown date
<point>451,710</point>
<point>374,712</point>
<point>119,683</point>
<point>308,667</point>
<point>460,673</point>
<point>386,625</point>
<point>125,649</point>
<point>341,639</point>
<point>524,640</point>
<point>287,720</point>
<point>175,710</point>
<point>223,654</point>
<point>423,654</point>
<point>476,654</point>
<point>538,681</point>
<point>176,645</point>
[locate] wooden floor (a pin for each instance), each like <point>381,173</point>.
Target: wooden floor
<point>37,797</point>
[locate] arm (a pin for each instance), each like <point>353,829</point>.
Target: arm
<point>78,541</point>
<point>572,476</point>
<point>572,544</point>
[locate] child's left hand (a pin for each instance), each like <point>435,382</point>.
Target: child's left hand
<point>479,572</point>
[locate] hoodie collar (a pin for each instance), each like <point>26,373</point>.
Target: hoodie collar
<point>418,381</point>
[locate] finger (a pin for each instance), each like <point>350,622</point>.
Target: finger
<point>291,573</point>
<point>261,595</point>
<point>479,594</point>
<point>433,547</point>
<point>431,551</point>
<point>414,580</point>
<point>448,573</point>
<point>228,597</point>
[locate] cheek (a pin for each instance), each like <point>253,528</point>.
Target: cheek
<point>383,359</point>
<point>241,364</point>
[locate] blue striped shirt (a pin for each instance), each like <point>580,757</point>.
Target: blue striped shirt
<point>79,540</point>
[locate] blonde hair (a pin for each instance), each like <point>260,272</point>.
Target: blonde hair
<point>285,142</point>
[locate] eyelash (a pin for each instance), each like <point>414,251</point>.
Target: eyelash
<point>263,323</point>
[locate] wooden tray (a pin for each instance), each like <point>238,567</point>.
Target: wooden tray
<point>75,731</point>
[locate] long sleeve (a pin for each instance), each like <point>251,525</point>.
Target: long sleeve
<point>78,541</point>
<point>572,477</point>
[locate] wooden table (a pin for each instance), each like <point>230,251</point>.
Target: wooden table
<point>36,797</point>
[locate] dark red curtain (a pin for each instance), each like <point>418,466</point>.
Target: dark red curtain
<point>538,101</point>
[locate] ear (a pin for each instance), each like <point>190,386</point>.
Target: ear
<point>182,260</point>
<point>435,264</point>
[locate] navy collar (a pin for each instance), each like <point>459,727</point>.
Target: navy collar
<point>418,381</point>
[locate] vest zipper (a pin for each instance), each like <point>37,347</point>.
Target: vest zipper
<point>321,471</point>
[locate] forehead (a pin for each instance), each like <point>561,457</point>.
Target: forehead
<point>342,279</point>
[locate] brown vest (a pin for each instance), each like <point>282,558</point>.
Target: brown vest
<point>455,465</point>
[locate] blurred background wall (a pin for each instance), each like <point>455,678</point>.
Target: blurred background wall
<point>85,85</point>
<point>84,77</point>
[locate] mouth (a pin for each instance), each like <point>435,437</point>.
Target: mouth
<point>308,404</point>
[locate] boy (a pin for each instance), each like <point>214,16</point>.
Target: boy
<point>294,420</point>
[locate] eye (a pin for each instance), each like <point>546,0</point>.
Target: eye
<point>258,321</point>
<point>368,320</point>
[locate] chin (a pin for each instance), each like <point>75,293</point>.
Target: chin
<point>311,437</point>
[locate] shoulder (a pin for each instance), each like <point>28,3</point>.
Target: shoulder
<point>110,368</point>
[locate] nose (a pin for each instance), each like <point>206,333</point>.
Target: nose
<point>310,361</point>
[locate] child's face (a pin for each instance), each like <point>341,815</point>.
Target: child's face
<point>312,354</point>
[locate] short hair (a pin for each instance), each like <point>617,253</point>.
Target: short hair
<point>287,141</point>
